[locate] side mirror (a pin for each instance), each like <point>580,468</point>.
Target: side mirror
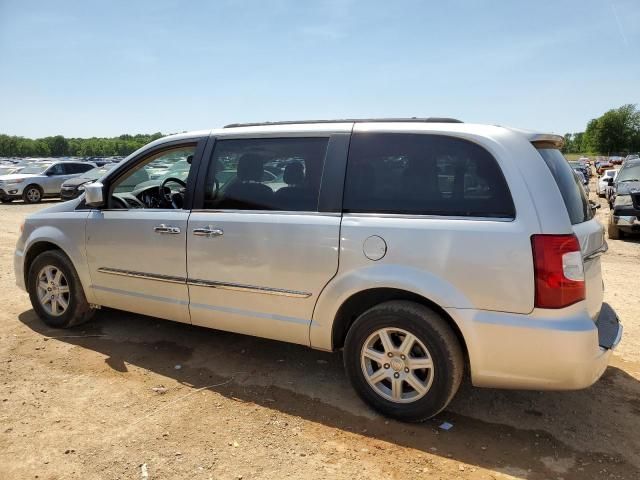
<point>609,181</point>
<point>94,194</point>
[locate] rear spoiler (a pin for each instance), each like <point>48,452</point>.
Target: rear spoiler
<point>546,140</point>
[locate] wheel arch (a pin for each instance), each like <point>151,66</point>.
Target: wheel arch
<point>36,249</point>
<point>360,302</point>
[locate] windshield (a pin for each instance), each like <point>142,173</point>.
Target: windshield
<point>36,169</point>
<point>629,173</point>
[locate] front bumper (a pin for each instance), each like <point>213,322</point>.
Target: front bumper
<point>545,350</point>
<point>627,219</point>
<point>69,194</point>
<point>10,192</point>
<point>18,268</point>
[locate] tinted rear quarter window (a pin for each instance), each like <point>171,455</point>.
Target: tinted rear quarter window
<point>574,196</point>
<point>424,174</point>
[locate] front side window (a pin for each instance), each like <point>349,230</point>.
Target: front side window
<point>155,182</point>
<point>56,170</point>
<point>425,175</point>
<point>266,174</point>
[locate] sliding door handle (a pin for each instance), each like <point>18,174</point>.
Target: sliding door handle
<point>208,232</point>
<point>162,228</point>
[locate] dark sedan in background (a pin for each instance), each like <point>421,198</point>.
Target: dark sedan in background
<point>75,187</point>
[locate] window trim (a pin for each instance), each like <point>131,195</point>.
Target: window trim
<point>122,169</point>
<point>331,182</point>
<point>433,216</point>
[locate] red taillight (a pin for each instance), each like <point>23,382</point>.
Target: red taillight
<point>559,274</point>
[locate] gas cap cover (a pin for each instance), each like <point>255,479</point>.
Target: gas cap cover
<point>374,247</point>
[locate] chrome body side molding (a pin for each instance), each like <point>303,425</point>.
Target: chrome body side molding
<point>206,283</point>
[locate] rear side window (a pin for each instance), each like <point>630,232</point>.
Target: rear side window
<point>424,174</point>
<point>282,174</point>
<point>574,196</point>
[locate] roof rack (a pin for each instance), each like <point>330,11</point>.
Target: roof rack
<point>350,120</point>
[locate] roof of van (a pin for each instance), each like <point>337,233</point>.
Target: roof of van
<point>539,139</point>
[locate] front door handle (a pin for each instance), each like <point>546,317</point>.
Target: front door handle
<point>162,228</point>
<point>208,232</point>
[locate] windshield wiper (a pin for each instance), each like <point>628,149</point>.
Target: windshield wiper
<point>629,180</point>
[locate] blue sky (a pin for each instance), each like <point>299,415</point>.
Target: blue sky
<point>84,68</point>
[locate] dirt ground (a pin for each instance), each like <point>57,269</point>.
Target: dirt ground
<point>81,403</point>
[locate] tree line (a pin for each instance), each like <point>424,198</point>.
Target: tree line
<point>616,132</point>
<point>59,146</point>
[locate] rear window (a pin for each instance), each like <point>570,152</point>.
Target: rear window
<point>424,174</point>
<point>574,196</point>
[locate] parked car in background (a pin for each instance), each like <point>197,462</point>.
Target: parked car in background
<point>34,183</point>
<point>583,181</point>
<point>603,165</point>
<point>616,160</point>
<point>378,241</point>
<point>9,169</point>
<point>581,167</point>
<point>624,217</point>
<point>630,157</point>
<point>74,187</point>
<point>603,182</point>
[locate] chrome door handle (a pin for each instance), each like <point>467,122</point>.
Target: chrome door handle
<point>208,232</point>
<point>162,228</point>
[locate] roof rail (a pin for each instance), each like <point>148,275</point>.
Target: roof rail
<point>350,120</point>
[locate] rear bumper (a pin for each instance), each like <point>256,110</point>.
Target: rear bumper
<point>546,350</point>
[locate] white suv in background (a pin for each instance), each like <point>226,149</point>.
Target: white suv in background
<point>35,182</point>
<point>423,249</point>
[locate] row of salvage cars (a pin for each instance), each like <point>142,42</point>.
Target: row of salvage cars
<point>36,180</point>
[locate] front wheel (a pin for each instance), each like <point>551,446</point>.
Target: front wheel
<point>55,291</point>
<point>404,360</point>
<point>32,194</point>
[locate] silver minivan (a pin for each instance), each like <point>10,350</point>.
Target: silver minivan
<point>424,249</point>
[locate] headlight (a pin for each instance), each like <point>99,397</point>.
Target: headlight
<point>15,181</point>
<point>623,200</point>
<point>81,188</point>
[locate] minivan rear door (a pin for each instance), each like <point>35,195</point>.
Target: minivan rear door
<point>589,231</point>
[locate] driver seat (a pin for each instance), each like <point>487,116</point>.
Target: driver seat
<point>247,193</point>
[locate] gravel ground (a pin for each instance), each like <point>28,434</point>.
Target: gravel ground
<point>128,396</point>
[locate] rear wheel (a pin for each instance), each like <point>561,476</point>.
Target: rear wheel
<point>404,360</point>
<point>32,194</point>
<point>55,291</point>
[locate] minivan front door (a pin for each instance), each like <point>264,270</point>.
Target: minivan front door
<point>136,255</point>
<point>263,247</point>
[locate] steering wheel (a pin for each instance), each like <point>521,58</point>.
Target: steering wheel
<point>168,196</point>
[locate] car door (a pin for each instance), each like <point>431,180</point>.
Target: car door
<point>260,247</point>
<point>136,245</point>
<point>56,175</point>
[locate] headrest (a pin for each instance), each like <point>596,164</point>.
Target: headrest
<point>294,174</point>
<point>250,168</point>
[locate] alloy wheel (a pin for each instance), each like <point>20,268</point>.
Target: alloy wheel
<point>53,290</point>
<point>397,365</point>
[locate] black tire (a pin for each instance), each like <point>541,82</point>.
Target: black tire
<point>430,329</point>
<point>78,310</point>
<point>28,195</point>
<point>614,231</point>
